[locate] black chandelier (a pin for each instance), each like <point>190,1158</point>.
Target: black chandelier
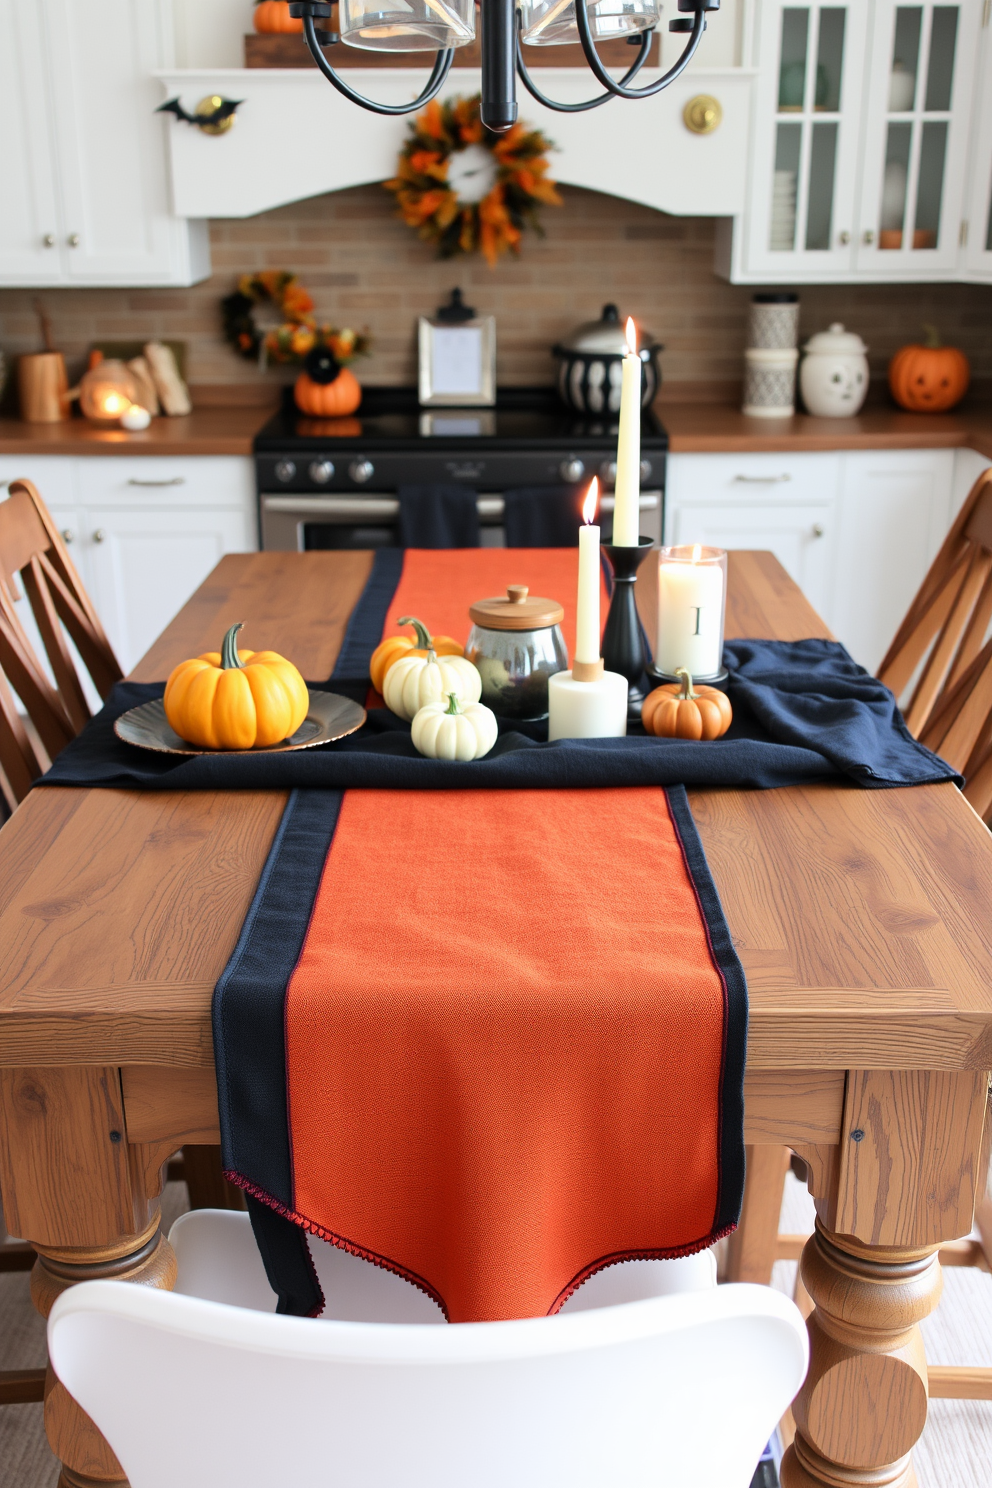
<point>420,25</point>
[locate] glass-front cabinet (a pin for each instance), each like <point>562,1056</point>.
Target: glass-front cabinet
<point>916,138</point>
<point>976,231</point>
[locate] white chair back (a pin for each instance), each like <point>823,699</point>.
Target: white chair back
<point>679,1389</point>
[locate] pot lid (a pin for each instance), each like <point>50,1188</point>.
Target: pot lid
<point>606,336</point>
<point>516,611</point>
<point>835,342</point>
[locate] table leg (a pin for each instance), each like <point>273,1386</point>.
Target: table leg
<point>88,1202</point>
<point>902,1180</point>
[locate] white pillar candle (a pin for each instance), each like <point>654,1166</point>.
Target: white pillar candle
<point>690,609</point>
<point>587,603</point>
<point>587,710</point>
<point>626,512</point>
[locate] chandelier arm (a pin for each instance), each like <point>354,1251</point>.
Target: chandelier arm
<point>589,103</point>
<point>619,90</point>
<point>442,66</point>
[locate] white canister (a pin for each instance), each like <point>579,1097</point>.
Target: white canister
<point>773,320</point>
<point>770,382</point>
<point>833,378</point>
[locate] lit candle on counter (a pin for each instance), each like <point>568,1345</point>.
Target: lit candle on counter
<point>690,610</point>
<point>587,605</point>
<point>626,512</point>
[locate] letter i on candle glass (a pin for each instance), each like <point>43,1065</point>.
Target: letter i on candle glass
<point>587,702</point>
<point>692,593</point>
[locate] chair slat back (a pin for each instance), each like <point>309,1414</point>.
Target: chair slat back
<point>943,636</point>
<point>33,556</point>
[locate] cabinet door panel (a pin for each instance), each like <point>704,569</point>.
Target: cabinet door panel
<point>800,537</point>
<point>110,142</point>
<point>894,512</point>
<point>144,565</point>
<point>976,254</point>
<point>916,137</point>
<point>154,480</point>
<point>28,214</point>
<point>804,156</point>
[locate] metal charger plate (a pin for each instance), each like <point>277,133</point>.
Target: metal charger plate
<point>329,717</point>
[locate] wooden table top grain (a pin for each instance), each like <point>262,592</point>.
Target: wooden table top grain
<point>861,917</point>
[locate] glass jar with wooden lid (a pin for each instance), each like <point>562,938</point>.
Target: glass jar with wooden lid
<point>517,644</point>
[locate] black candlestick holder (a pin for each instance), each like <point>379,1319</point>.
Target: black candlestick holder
<point>623,639</point>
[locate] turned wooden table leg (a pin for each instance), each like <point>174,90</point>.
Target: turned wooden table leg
<point>902,1181</point>
<point>88,1202</point>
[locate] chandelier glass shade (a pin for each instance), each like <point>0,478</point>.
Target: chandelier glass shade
<point>442,26</point>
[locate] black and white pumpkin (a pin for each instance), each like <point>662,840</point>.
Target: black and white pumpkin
<point>591,362</point>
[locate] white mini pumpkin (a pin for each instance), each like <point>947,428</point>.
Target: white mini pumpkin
<point>453,730</point>
<point>414,681</point>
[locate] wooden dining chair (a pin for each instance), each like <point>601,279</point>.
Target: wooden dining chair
<point>34,559</point>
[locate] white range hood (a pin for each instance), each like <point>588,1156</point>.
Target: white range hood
<point>295,136</point>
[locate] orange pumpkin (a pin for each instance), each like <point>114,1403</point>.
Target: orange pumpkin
<point>930,378</point>
<point>680,711</point>
<point>272,16</point>
<point>325,388</point>
<point>393,647</point>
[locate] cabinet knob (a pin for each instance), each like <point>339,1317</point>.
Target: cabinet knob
<point>99,535</point>
<point>868,237</point>
<point>68,535</point>
<point>73,240</point>
<point>843,238</point>
<point>819,530</point>
<point>48,241</point>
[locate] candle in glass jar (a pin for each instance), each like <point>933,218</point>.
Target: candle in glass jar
<point>690,613</point>
<point>626,512</point>
<point>587,601</point>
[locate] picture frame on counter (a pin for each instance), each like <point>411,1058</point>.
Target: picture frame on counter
<point>457,363</point>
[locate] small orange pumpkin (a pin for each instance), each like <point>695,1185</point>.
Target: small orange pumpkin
<point>393,647</point>
<point>680,711</point>
<point>325,388</point>
<point>930,378</point>
<point>272,17</point>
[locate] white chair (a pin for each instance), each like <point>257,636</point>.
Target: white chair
<point>190,1389</point>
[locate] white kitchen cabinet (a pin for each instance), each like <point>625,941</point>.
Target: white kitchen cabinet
<point>976,228</point>
<point>84,166</point>
<point>144,531</point>
<point>859,140</point>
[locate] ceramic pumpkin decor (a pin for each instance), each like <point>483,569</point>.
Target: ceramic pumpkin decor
<point>414,681</point>
<point>272,16</point>
<point>326,388</point>
<point>929,378</point>
<point>452,730</point>
<point>393,647</point>
<point>232,699</point>
<point>681,711</point>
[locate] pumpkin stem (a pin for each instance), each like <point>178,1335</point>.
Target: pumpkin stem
<point>229,648</point>
<point>685,692</point>
<point>932,338</point>
<point>453,704</point>
<point>424,642</point>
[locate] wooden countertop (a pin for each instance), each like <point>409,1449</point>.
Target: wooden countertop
<point>694,428</point>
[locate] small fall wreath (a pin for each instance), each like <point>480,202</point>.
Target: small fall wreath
<point>468,190</point>
<point>299,333</point>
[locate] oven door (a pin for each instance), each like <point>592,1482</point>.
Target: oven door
<point>306,523</point>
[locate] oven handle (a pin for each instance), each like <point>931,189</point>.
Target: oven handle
<point>387,507</point>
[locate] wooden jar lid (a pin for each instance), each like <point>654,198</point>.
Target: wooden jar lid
<point>516,611</point>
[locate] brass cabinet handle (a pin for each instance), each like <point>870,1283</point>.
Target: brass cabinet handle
<point>819,530</point>
<point>48,241</point>
<point>99,535</point>
<point>843,238</point>
<point>68,535</point>
<point>73,240</point>
<point>702,114</point>
<point>868,237</point>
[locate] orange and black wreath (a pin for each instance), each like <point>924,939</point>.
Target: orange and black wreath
<point>468,190</point>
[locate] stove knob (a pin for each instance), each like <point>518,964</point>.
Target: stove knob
<point>361,471</point>
<point>285,470</point>
<point>571,470</point>
<point>608,472</point>
<point>645,470</point>
<point>320,472</point>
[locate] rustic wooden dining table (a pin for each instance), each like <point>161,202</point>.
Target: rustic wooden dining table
<point>861,918</point>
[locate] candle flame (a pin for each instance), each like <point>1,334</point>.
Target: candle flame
<point>631,337</point>
<point>589,505</point>
<point>114,403</point>
<point>697,552</point>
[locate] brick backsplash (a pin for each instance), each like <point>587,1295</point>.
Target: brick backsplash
<point>366,269</point>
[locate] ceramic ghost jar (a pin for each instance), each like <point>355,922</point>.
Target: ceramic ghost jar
<point>833,377</point>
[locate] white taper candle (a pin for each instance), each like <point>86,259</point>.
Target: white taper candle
<point>587,603</point>
<point>626,512</point>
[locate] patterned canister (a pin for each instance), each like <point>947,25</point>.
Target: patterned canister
<point>770,382</point>
<point>773,323</point>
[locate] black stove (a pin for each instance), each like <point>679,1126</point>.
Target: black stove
<point>332,482</point>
